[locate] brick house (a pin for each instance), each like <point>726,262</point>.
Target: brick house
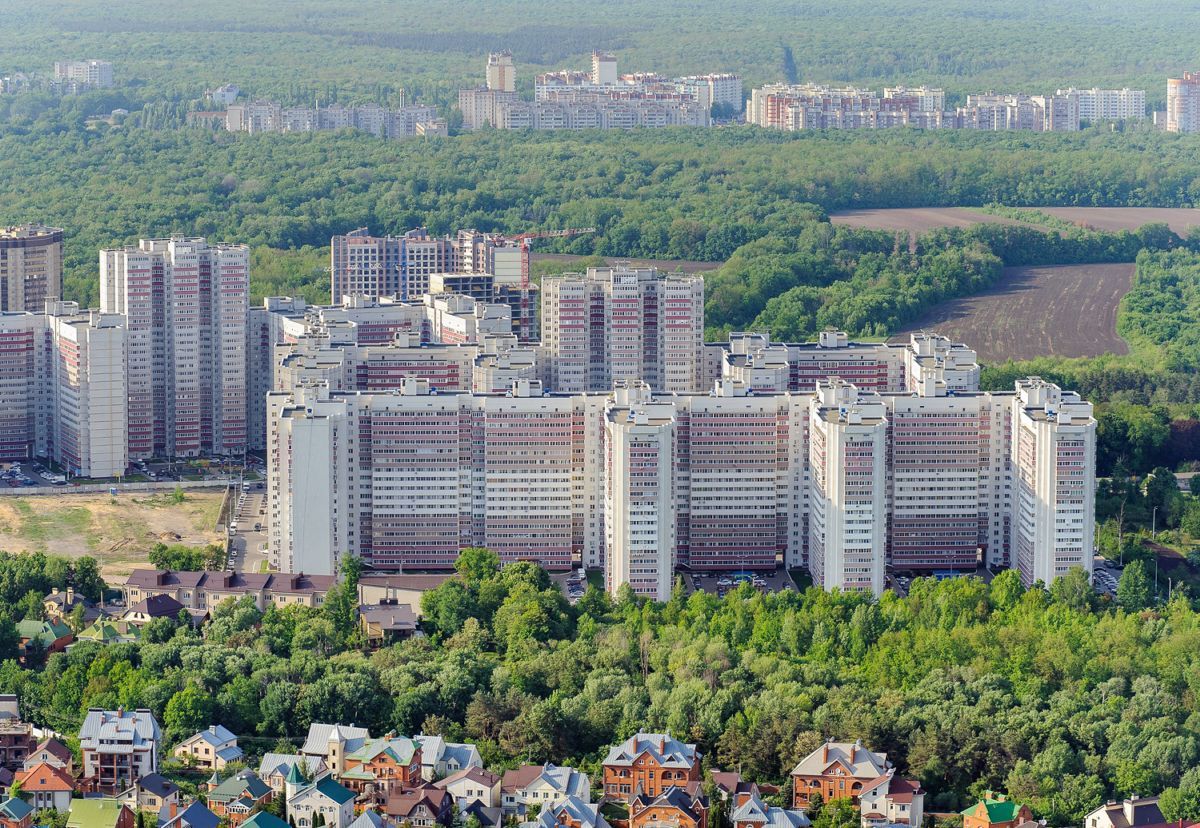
<point>996,810</point>
<point>649,763</point>
<point>421,807</point>
<point>836,770</point>
<point>384,766</point>
<point>673,807</point>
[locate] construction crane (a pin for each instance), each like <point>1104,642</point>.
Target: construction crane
<point>524,239</point>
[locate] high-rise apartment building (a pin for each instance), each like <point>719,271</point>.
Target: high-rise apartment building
<point>400,266</point>
<point>501,74</point>
<point>31,267</point>
<point>186,304</point>
<point>92,73</point>
<point>1054,478</point>
<point>1183,103</point>
<point>721,89</point>
<point>62,389</point>
<point>1108,104</point>
<point>929,99</point>
<point>604,68</point>
<point>621,324</point>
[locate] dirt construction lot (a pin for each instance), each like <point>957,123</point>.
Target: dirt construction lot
<point>1068,310</point>
<point>118,532</point>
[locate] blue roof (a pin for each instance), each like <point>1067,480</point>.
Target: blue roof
<point>217,735</point>
<point>15,809</point>
<point>230,754</point>
<point>196,815</point>
<point>264,820</point>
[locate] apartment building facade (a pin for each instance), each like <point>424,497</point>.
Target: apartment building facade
<point>119,747</point>
<point>1108,104</point>
<point>96,74</point>
<point>1183,103</point>
<point>501,73</point>
<point>621,323</point>
<point>31,267</point>
<point>185,304</point>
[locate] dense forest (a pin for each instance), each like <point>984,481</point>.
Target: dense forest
<point>313,47</point>
<point>1054,696</point>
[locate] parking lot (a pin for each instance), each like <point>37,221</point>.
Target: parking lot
<point>19,475</point>
<point>1105,575</point>
<point>248,529</point>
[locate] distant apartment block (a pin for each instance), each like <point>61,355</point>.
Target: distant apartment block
<point>96,74</point>
<point>185,304</point>
<point>623,324</point>
<point>501,74</point>
<point>721,89</point>
<point>267,116</point>
<point>1108,104</point>
<point>1183,103</point>
<point>31,267</point>
<point>812,106</point>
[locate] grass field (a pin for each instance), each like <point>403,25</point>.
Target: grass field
<point>1067,310</point>
<point>118,532</point>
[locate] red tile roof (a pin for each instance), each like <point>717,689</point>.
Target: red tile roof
<point>45,777</point>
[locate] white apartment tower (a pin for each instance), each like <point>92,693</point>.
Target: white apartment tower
<point>639,513</point>
<point>623,324</point>
<point>96,73</point>
<point>1108,104</point>
<point>847,456</point>
<point>604,69</point>
<point>1183,103</point>
<point>1054,478</point>
<point>31,267</point>
<point>186,303</point>
<point>501,74</point>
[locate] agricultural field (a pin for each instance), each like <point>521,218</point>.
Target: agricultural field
<point>118,531</point>
<point>917,220</point>
<point>1065,310</point>
<point>1179,219</point>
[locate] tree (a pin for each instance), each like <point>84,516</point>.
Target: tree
<point>1133,590</point>
<point>1074,589</point>
<point>87,580</point>
<point>188,711</point>
<point>476,564</point>
<point>1183,802</point>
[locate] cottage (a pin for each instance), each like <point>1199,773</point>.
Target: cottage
<point>679,807</point>
<point>154,794</point>
<point>46,786</point>
<point>571,812</point>
<point>44,637</point>
<point>15,813</point>
<point>196,815</point>
<point>472,785</point>
<point>325,797</point>
<point>383,765</point>
<point>996,810</point>
<point>421,807</point>
<point>750,811</point>
<point>275,768</point>
<point>1134,812</point>
<point>54,753</point>
<point>60,604</point>
<point>156,606</point>
<point>543,785</point>
<point>100,813</point>
<point>440,758</point>
<point>239,796</point>
<point>649,763</point>
<point>332,743</point>
<point>110,631</point>
<point>211,749</point>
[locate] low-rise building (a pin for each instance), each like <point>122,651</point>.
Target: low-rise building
<point>1134,812</point>
<point>205,590</point>
<point>996,810</point>
<point>325,797</point>
<point>383,766</point>
<point>749,811</point>
<point>16,735</point>
<point>212,748</point>
<point>332,743</point>
<point>571,812</point>
<point>383,624</point>
<point>44,637</point>
<point>275,768</point>
<point>102,812</point>
<point>119,747</point>
<point>152,607</point>
<point>154,794</point>
<point>15,813</point>
<point>421,807</point>
<point>542,785</point>
<point>679,807</point>
<point>262,819</point>
<point>892,802</point>
<point>59,605</point>
<point>196,815</point>
<point>440,758</point>
<point>46,786</point>
<point>472,785</point>
<point>109,631</point>
<point>649,763</point>
<point>53,753</point>
<point>239,796</point>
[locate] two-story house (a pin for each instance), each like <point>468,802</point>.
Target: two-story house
<point>440,758</point>
<point>1134,812</point>
<point>275,768</point>
<point>333,802</point>
<point>836,770</point>
<point>472,785</point>
<point>16,735</point>
<point>996,810</point>
<point>649,763</point>
<point>53,753</point>
<point>571,812</point>
<point>673,807</point>
<point>332,743</point>
<point>383,766</point>
<point>421,808</point>
<point>119,747</point>
<point>750,811</point>
<point>45,786</point>
<point>239,796</point>
<point>212,748</point>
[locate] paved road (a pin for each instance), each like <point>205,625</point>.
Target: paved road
<point>248,542</point>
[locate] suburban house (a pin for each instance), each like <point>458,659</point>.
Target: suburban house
<point>110,631</point>
<point>749,811</point>
<point>15,813</point>
<point>1135,812</point>
<point>542,785</point>
<point>16,735</point>
<point>383,766</point>
<point>45,786</point>
<point>275,767</point>
<point>196,815</point>
<point>59,604</point>
<point>119,747</point>
<point>101,812</point>
<point>836,770</point>
<point>154,794</point>
<point>421,807</point>
<point>264,820</point>
<point>239,796</point>
<point>334,802</point>
<point>440,758</point>
<point>156,606</point>
<point>47,636</point>
<point>398,589</point>
<point>332,743</point>
<point>386,623</point>
<point>201,591</point>
<point>996,810</point>
<point>891,801</point>
<point>53,753</point>
<point>472,785</point>
<point>212,748</point>
<point>679,807</point>
<point>649,763</point>
<point>571,812</point>
<point>488,817</point>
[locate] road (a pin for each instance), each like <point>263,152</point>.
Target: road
<point>248,543</point>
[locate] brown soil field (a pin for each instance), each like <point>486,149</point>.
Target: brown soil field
<point>1178,219</point>
<point>1065,310</point>
<point>916,220</point>
<point>119,532</point>
<point>669,265</point>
